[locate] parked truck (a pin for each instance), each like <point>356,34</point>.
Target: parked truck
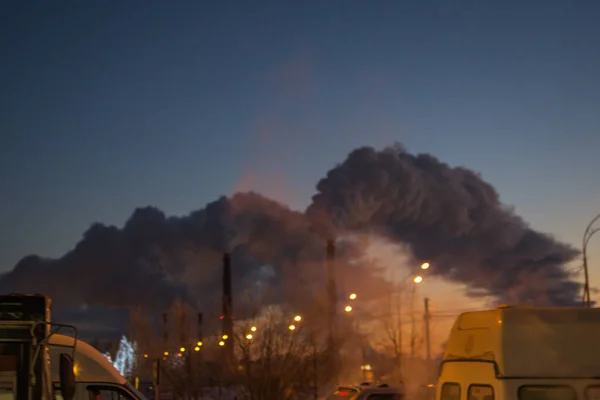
<point>522,353</point>
<point>38,363</point>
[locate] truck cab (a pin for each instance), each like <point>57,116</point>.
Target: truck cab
<point>95,377</point>
<point>38,363</point>
<point>522,353</point>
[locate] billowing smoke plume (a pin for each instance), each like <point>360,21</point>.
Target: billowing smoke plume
<point>448,216</point>
<point>154,260</point>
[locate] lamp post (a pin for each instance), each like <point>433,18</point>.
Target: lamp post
<point>587,235</point>
<point>416,279</point>
<point>348,309</point>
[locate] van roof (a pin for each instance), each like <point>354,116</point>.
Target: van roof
<point>529,341</point>
<point>90,364</point>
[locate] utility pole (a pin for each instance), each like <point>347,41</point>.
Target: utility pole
<point>399,334</point>
<point>427,317</point>
<point>413,332</point>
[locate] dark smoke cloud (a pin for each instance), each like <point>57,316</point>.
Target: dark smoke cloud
<point>448,216</point>
<point>154,260</point>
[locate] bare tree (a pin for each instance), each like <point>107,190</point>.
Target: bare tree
<point>282,356</point>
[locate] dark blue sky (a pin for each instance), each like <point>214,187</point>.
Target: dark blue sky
<point>110,105</point>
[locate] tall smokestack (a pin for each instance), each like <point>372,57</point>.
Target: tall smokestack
<point>227,316</point>
<point>332,305</point>
<point>331,282</point>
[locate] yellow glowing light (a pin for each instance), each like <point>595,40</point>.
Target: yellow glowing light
<point>221,343</point>
<point>166,353</point>
<point>249,336</point>
<point>179,354</point>
<point>199,343</point>
<point>425,265</point>
<point>253,329</point>
<point>224,337</point>
<point>418,279</point>
<point>297,318</point>
<point>182,349</point>
<point>352,296</point>
<point>145,355</point>
<point>348,308</point>
<point>75,369</point>
<point>292,327</point>
<point>197,348</point>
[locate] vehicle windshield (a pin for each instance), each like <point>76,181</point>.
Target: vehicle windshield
<point>344,393</point>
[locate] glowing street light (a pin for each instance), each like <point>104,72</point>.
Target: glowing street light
<point>418,279</point>
<point>224,337</point>
<point>179,354</point>
<point>182,349</point>
<point>352,296</point>
<point>297,318</point>
<point>425,265</point>
<point>197,348</point>
<point>166,353</point>
<point>253,329</point>
<point>145,355</point>
<point>249,336</point>
<point>199,344</point>
<point>348,308</point>
<point>221,343</point>
<point>292,327</point>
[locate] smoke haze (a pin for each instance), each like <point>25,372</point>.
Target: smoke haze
<point>448,216</point>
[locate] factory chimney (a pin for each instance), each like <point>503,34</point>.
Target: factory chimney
<point>331,281</point>
<point>227,317</point>
<point>332,307</point>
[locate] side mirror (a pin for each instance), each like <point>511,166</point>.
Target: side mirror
<point>67,376</point>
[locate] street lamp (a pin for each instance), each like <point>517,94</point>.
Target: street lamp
<point>587,235</point>
<point>221,343</point>
<point>352,296</point>
<point>418,279</point>
<point>297,318</point>
<point>253,329</point>
<point>292,327</point>
<point>348,308</point>
<point>425,265</point>
<point>249,336</point>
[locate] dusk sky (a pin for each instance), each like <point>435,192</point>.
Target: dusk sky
<point>110,105</point>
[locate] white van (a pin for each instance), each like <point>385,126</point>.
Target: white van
<point>522,353</point>
<point>95,377</point>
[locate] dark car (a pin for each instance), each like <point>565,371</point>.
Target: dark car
<point>367,391</point>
